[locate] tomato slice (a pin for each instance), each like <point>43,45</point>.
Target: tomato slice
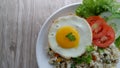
<point>92,19</point>
<point>105,40</point>
<point>98,26</point>
<point>103,34</point>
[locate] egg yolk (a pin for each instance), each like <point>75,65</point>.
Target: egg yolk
<point>67,42</point>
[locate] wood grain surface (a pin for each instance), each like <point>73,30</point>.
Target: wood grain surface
<point>20,22</point>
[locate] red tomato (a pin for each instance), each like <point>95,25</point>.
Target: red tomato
<point>103,34</point>
<point>92,19</point>
<point>56,55</point>
<point>94,57</point>
<point>98,26</point>
<point>105,40</point>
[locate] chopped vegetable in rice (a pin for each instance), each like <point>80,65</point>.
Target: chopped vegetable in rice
<point>94,57</point>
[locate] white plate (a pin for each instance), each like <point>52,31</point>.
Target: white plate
<point>42,41</point>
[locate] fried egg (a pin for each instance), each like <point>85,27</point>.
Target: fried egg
<point>69,36</point>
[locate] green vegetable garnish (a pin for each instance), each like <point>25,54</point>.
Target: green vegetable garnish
<point>96,7</point>
<point>71,37</point>
<point>117,42</point>
<point>116,7</point>
<point>90,49</point>
<point>86,58</point>
<point>100,50</point>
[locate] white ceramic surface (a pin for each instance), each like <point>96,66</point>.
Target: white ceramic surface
<point>42,42</point>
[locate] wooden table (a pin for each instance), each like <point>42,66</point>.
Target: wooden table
<point>20,23</point>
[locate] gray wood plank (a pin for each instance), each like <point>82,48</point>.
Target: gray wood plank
<point>20,22</point>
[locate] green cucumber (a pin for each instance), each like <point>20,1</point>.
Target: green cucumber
<point>115,24</point>
<point>105,15</point>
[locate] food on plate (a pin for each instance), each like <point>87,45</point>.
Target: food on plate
<point>106,39</point>
<point>117,42</point>
<point>114,22</point>
<point>69,36</point>
<point>103,34</point>
<point>94,57</point>
<point>89,39</point>
<point>97,7</point>
<point>98,25</point>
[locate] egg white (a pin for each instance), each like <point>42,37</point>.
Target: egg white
<point>83,29</point>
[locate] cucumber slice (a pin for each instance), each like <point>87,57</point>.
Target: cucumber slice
<point>105,15</point>
<point>115,24</point>
<point>117,15</point>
